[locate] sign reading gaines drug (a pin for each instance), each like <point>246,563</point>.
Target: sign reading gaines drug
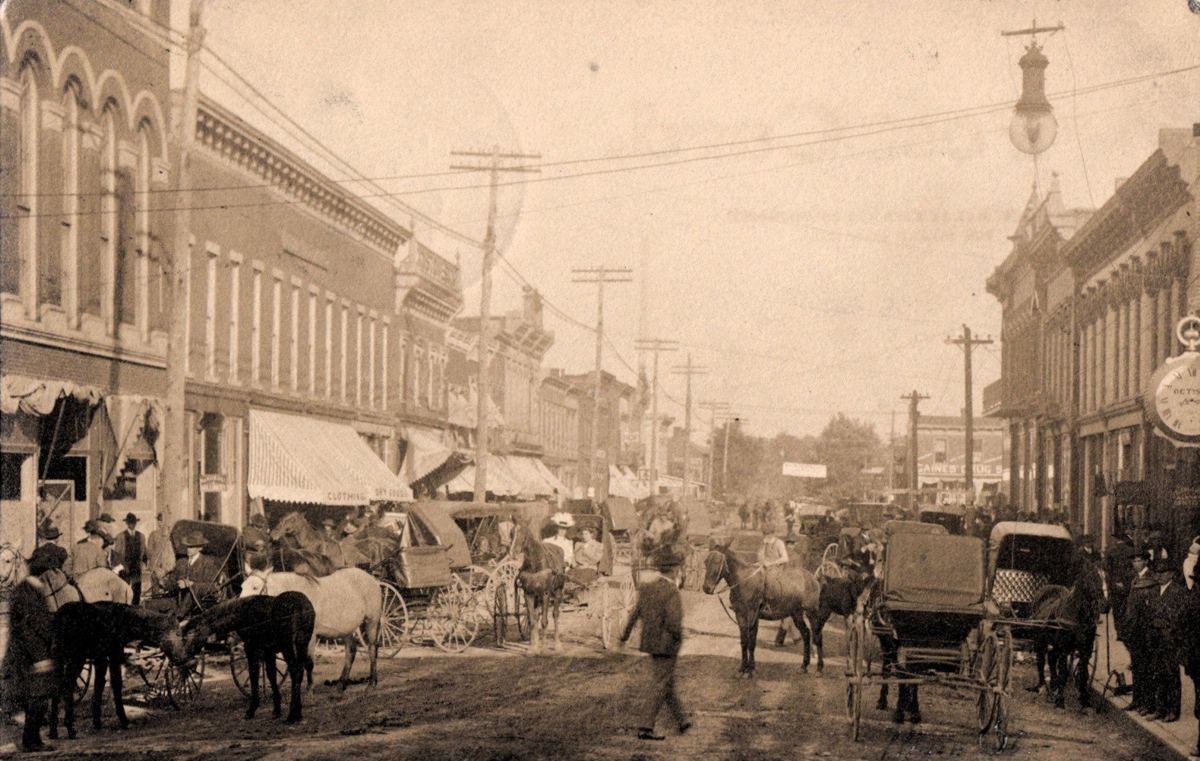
<point>1173,395</point>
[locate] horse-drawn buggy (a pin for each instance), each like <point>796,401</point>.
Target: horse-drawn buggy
<point>926,621</point>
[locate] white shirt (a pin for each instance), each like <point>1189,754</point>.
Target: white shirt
<point>567,546</point>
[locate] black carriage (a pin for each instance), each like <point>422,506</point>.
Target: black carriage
<point>952,517</point>
<point>930,604</point>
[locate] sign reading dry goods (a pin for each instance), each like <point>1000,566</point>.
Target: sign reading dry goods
<point>1173,395</point>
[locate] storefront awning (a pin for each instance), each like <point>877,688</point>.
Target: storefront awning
<point>37,396</point>
<point>312,461</point>
<point>425,453</point>
<point>550,478</point>
<point>533,483</point>
<point>135,420</point>
<point>500,479</point>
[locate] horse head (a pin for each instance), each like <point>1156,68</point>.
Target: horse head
<point>719,564</point>
<point>12,565</point>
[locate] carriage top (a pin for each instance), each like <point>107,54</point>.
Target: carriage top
<point>893,527</point>
<point>1026,546</point>
<point>934,571</point>
<point>221,538</point>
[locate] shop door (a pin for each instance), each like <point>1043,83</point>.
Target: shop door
<point>58,504</point>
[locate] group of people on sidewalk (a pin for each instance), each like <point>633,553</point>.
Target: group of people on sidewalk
<point>1157,615</point>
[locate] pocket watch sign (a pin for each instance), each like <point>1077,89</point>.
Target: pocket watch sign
<point>1173,395</point>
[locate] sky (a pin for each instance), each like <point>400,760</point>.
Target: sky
<point>810,274</point>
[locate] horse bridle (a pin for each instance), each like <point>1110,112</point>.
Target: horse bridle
<point>10,581</point>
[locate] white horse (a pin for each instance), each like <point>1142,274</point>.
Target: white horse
<point>96,585</point>
<point>345,601</point>
<point>12,572</point>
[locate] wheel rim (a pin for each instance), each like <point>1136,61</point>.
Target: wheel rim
<point>393,621</point>
<point>184,682</point>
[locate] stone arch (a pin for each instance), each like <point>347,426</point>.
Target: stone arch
<point>111,90</point>
<point>73,64</point>
<point>147,114</point>
<point>30,38</point>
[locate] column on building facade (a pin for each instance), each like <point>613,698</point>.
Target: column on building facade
<point>1148,337</point>
<point>1120,345</point>
<point>1164,322</point>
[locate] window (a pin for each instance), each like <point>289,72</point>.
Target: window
<point>371,363</point>
<point>256,324</point>
<point>142,233</point>
<point>70,206</point>
<point>276,296</point>
<point>383,370</point>
<point>125,269</point>
<point>312,341</point>
<point>294,347</point>
<point>210,434</point>
<point>235,299</point>
<point>10,476</point>
<point>358,358</point>
<point>939,450</point>
<point>328,345</point>
<point>108,224</point>
<point>28,137</point>
<point>345,335</point>
<point>210,314</point>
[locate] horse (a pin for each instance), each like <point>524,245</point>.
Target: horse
<point>794,593</point>
<point>96,585</point>
<point>542,579</point>
<point>295,547</point>
<point>99,632</point>
<point>1072,614</point>
<point>345,601</point>
<point>839,596</point>
<point>266,626</point>
<point>12,572</point>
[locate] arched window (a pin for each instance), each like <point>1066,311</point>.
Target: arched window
<point>70,204</point>
<point>108,217</point>
<point>25,270</point>
<point>149,268</point>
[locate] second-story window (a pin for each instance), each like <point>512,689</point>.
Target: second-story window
<point>29,128</point>
<point>276,318</point>
<point>210,313</point>
<point>70,220</point>
<point>294,342</point>
<point>256,325</point>
<point>235,300</point>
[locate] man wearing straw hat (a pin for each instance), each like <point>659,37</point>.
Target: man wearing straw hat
<point>660,611</point>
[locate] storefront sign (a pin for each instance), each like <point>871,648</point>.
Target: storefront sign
<point>1173,395</point>
<point>804,470</point>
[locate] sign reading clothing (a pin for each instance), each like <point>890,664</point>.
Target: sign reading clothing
<point>804,470</point>
<point>1173,394</point>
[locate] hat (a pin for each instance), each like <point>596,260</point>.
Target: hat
<point>1163,566</point>
<point>349,527</point>
<point>258,519</point>
<point>106,518</point>
<point>48,531</point>
<point>194,539</point>
<point>562,520</point>
<point>131,518</point>
<point>329,522</point>
<point>92,526</point>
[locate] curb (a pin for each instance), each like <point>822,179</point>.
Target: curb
<point>1166,743</point>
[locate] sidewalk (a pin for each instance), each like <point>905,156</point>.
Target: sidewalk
<point>1179,736</point>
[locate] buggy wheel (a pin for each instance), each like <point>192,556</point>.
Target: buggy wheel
<point>520,612</point>
<point>393,621</point>
<point>985,666</point>
<point>239,668</point>
<point>855,674</point>
<point>451,624</point>
<point>501,591</point>
<point>184,682</point>
<point>615,604</point>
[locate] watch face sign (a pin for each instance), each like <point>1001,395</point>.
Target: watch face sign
<point>1173,398</point>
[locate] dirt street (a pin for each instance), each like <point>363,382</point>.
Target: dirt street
<point>580,703</point>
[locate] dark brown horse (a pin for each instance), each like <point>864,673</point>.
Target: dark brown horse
<point>771,595</point>
<point>1071,616</point>
<point>541,579</point>
<point>99,632</point>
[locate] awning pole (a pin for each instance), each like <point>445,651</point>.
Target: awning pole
<point>124,443</point>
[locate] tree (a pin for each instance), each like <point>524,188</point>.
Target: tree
<point>846,446</point>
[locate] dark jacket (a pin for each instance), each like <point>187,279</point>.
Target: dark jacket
<point>660,609</point>
<point>1166,619</point>
<point>205,575</point>
<point>129,550</point>
<point>28,661</point>
<point>1135,619</point>
<point>1189,625</point>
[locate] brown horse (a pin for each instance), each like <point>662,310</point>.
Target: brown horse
<point>772,595</point>
<point>1072,614</point>
<point>294,547</point>
<point>541,579</point>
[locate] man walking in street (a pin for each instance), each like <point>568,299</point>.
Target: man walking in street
<point>660,610</point>
<point>129,550</point>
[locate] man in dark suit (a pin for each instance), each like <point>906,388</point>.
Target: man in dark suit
<point>1134,631</point>
<point>197,576</point>
<point>660,611</point>
<point>1165,639</point>
<point>129,552</point>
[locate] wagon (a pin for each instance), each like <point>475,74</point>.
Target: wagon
<point>930,608</point>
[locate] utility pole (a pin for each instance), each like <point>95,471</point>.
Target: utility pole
<point>914,398</point>
<point>689,370</point>
<point>892,455</point>
<point>968,344</point>
<point>599,275</point>
<point>493,166</point>
<point>718,410</point>
<point>175,429</point>
<point>656,346</point>
<point>725,455</point>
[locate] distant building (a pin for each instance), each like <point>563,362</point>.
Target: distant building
<point>696,457</point>
<point>941,458</point>
<point>617,425</point>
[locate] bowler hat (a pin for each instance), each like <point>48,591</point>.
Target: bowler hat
<point>48,531</point>
<point>194,539</point>
<point>131,518</point>
<point>106,518</point>
<point>92,526</point>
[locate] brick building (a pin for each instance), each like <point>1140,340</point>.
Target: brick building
<point>83,112</point>
<point>941,458</point>
<point>1087,321</point>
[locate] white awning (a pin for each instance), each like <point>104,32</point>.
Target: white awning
<point>533,483</point>
<point>554,481</point>
<point>426,452</point>
<point>37,396</point>
<point>313,461</point>
<point>500,480</point>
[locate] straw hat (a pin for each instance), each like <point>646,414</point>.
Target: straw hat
<point>562,520</point>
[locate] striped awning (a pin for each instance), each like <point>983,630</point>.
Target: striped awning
<point>501,481</point>
<point>426,452</point>
<point>313,461</point>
